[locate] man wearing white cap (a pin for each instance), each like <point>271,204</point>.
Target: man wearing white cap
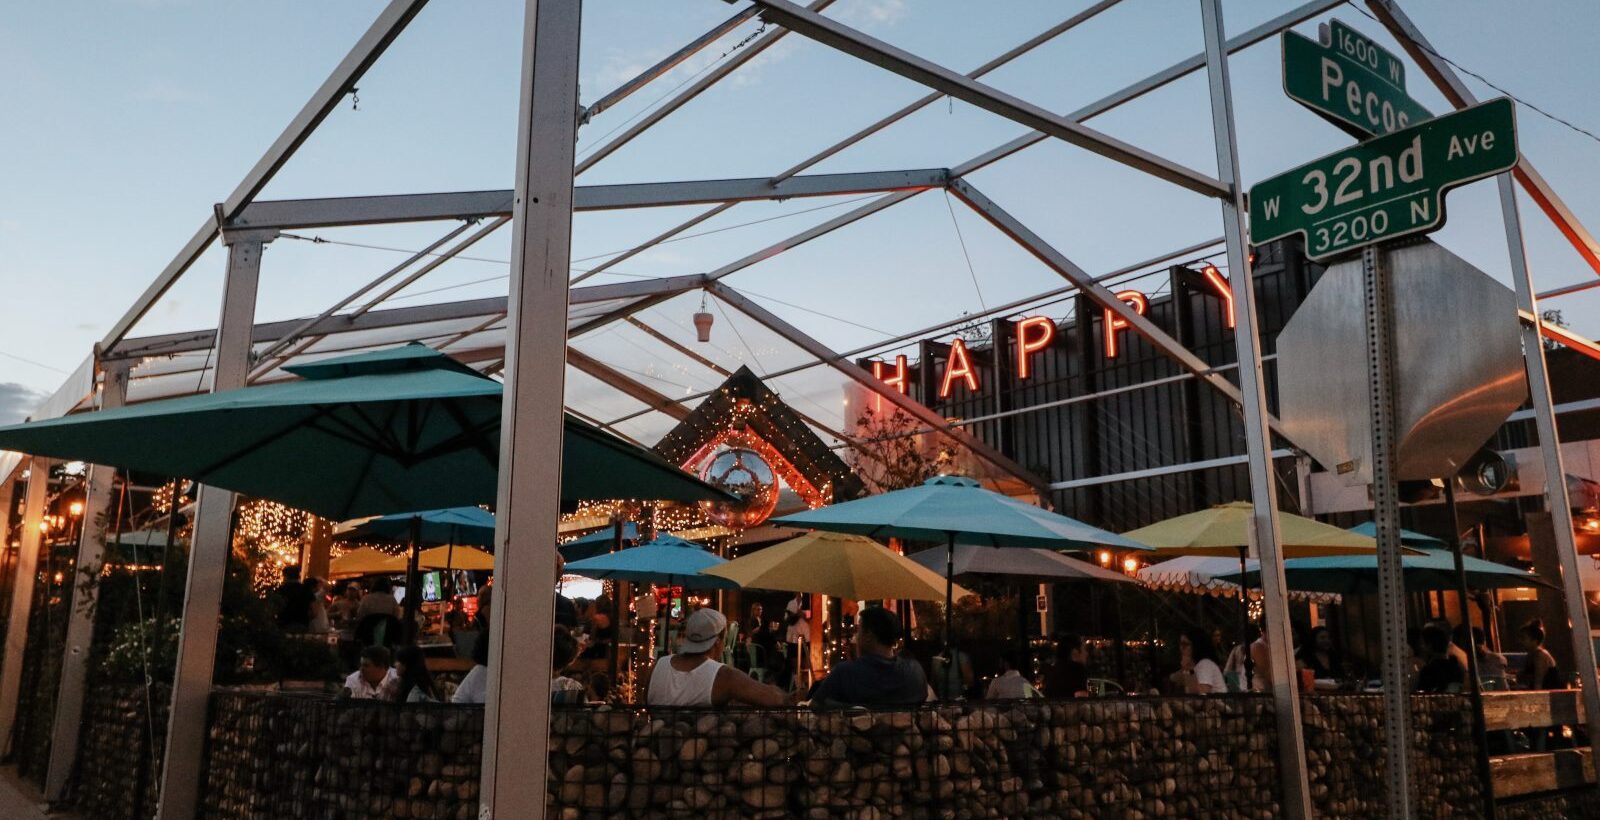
<point>692,678</point>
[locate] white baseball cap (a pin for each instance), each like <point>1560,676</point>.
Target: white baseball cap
<point>701,630</point>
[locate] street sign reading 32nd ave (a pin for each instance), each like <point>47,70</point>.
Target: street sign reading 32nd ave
<point>1386,187</point>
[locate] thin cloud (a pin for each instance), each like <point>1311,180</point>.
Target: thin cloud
<point>161,90</point>
<point>17,401</point>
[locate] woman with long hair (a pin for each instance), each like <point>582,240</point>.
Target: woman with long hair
<point>1539,671</point>
<point>1198,672</point>
<point>416,684</point>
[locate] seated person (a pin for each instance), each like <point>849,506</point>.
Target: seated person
<point>375,679</point>
<point>1198,672</point>
<point>474,688</point>
<point>1068,677</point>
<point>1441,672</point>
<point>1010,684</point>
<point>562,653</point>
<point>692,678</point>
<point>879,676</point>
<point>415,682</point>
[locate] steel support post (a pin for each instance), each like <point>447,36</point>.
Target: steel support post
<point>210,544</point>
<point>93,534</point>
<point>1555,471</point>
<point>516,728</point>
<point>22,580</point>
<point>1398,796</point>
<point>1258,442</point>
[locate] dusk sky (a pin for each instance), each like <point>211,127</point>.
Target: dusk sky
<point>127,119</point>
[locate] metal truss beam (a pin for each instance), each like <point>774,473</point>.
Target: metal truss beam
<point>297,333</point>
<point>1023,48</point>
<point>628,385</point>
<point>1171,74</point>
<point>666,64</point>
<point>1098,293</point>
<point>374,210</point>
<point>749,52</point>
<point>267,332</point>
<point>1456,92</point>
<point>910,406</point>
<point>877,52</point>
<point>718,369</point>
<point>377,39</point>
<point>999,310</point>
<point>494,225</point>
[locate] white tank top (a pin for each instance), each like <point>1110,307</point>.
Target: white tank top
<point>669,687</point>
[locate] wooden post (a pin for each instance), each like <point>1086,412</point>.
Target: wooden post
<point>22,597</point>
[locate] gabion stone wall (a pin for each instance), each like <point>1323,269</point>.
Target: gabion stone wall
<point>291,756</point>
<point>117,775</point>
<point>1179,757</point>
<point>1345,755</point>
<point>273,755</point>
<point>1563,806</point>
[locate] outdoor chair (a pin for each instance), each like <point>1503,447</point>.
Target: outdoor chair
<point>757,657</point>
<point>379,630</point>
<point>1100,687</point>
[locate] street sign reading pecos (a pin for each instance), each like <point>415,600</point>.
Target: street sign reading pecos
<point>1354,84</point>
<point>1386,187</point>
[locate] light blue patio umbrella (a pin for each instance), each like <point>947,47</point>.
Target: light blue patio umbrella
<point>1358,574</point>
<point>956,508</point>
<point>666,557</point>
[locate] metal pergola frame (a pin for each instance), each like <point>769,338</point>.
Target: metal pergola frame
<point>544,312</point>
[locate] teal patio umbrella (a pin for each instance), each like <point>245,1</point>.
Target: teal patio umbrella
<point>391,431</point>
<point>597,543</point>
<point>448,527</point>
<point>666,557</point>
<point>955,508</point>
<point>1358,574</point>
<point>1408,538</point>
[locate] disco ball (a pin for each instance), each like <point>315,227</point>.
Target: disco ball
<point>744,473</point>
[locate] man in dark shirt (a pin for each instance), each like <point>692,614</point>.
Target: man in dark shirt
<point>1068,677</point>
<point>294,601</point>
<point>1442,672</point>
<point>878,676</point>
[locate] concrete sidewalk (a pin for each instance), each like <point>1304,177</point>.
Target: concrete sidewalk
<point>19,800</point>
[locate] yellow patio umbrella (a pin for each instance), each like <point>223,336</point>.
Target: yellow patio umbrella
<point>453,557</point>
<point>366,561</point>
<point>1224,530</point>
<point>838,565</point>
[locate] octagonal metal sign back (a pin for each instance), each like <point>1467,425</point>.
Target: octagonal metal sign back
<point>1458,365</point>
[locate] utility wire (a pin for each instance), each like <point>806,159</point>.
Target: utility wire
<point>34,363</point>
<point>963,240</point>
<point>1485,80</point>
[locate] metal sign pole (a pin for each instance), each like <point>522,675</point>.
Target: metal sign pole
<point>1258,443</point>
<point>1555,472</point>
<point>1386,515</point>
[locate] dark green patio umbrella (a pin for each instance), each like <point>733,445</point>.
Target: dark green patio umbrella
<point>387,432</point>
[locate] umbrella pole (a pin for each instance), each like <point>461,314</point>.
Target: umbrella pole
<point>413,582</point>
<point>1244,623</point>
<point>1475,688</point>
<point>951,673</point>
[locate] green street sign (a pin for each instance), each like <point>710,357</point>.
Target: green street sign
<point>1357,86</point>
<point>1362,49</point>
<point>1386,187</point>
